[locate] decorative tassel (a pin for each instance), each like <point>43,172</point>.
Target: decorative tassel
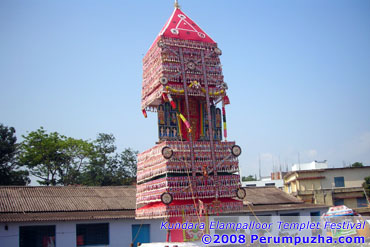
<point>144,113</point>
<point>185,122</point>
<point>224,120</point>
<point>165,98</point>
<point>226,100</point>
<point>173,104</point>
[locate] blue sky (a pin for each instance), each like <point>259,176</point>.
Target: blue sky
<point>298,73</point>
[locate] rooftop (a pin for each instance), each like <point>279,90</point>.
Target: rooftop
<point>63,203</point>
<point>323,170</point>
<point>24,199</point>
<point>67,203</point>
<point>269,195</point>
<point>180,26</point>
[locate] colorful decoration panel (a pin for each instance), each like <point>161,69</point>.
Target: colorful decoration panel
<point>163,60</point>
<point>157,175</point>
<point>186,207</point>
<point>216,123</point>
<point>167,123</point>
<point>151,163</point>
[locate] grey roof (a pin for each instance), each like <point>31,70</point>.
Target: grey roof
<point>268,196</point>
<point>23,199</point>
<point>68,203</point>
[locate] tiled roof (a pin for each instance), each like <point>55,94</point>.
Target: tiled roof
<point>23,199</point>
<point>33,204</point>
<point>268,196</point>
<point>66,216</point>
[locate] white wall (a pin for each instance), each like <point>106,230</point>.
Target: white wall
<point>120,234</point>
<point>9,237</point>
<point>310,166</point>
<point>279,183</point>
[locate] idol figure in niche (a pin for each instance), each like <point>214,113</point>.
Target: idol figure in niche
<point>161,133</point>
<point>168,132</point>
<point>218,118</point>
<point>173,118</point>
<point>161,115</point>
<point>174,132</point>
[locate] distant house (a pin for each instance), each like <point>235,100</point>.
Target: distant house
<point>275,179</point>
<point>331,186</point>
<point>310,166</point>
<point>105,216</point>
<point>274,202</point>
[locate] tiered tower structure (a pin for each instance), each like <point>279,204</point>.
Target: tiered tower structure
<point>191,170</point>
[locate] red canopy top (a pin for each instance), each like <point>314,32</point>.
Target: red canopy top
<point>180,26</point>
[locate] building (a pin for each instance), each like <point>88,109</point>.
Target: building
<point>87,216</point>
<point>275,179</point>
<point>310,166</point>
<point>330,186</point>
<point>72,216</point>
<point>271,201</point>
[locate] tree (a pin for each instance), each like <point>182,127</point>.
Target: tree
<point>54,158</point>
<point>43,154</point>
<point>128,160</point>
<point>249,178</point>
<point>357,164</point>
<point>102,161</point>
<point>9,175</point>
<point>108,168</point>
<point>77,152</point>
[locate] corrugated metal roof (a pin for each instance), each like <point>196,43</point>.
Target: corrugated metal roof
<point>23,199</point>
<point>268,196</point>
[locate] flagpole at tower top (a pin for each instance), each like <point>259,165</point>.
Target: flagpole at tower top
<point>177,6</point>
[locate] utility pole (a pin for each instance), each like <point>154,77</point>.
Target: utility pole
<point>259,166</point>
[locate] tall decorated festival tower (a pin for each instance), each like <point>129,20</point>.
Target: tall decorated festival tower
<point>192,170</point>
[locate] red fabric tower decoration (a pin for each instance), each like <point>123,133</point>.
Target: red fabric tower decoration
<point>191,170</point>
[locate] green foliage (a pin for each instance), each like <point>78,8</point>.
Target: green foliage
<point>102,159</point>
<point>54,158</point>
<point>8,145</point>
<point>9,168</point>
<point>57,159</point>
<point>249,178</point>
<point>78,153</point>
<point>108,168</point>
<point>44,155</point>
<point>129,161</point>
<point>366,186</point>
<point>357,164</point>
